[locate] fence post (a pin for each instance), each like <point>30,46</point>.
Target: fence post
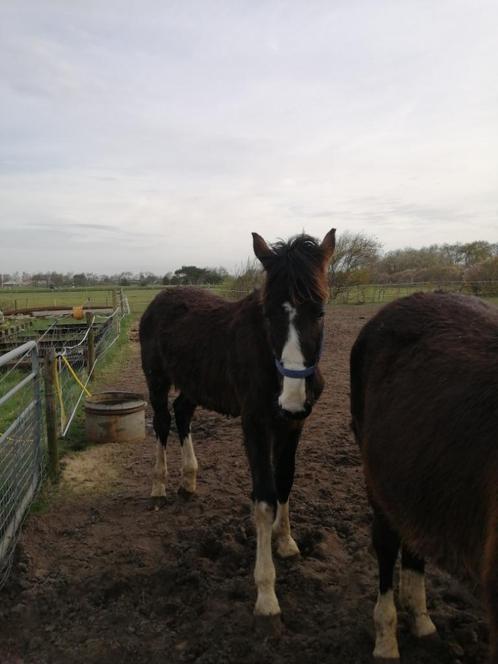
<point>35,363</point>
<point>51,414</point>
<point>91,344</point>
<point>115,317</point>
<point>121,301</point>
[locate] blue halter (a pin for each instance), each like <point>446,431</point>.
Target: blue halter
<point>299,373</point>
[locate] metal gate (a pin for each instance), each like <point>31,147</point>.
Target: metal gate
<point>21,451</point>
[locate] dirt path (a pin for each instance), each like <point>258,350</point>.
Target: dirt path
<point>99,578</point>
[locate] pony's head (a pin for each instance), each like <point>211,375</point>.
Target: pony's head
<point>294,295</point>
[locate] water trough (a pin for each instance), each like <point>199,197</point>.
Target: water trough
<point>115,417</point>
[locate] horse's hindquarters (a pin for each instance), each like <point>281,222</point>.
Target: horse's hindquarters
<point>424,404</point>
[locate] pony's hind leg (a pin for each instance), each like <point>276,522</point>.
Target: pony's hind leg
<point>386,544</point>
<point>412,593</point>
<point>158,394</point>
<point>184,410</point>
<point>490,583</point>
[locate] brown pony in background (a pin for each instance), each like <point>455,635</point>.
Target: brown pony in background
<point>255,358</point>
<point>424,405</point>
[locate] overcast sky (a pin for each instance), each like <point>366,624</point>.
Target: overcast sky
<point>145,135</point>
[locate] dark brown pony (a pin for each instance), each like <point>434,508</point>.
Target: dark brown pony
<point>424,403</point>
<point>255,358</point>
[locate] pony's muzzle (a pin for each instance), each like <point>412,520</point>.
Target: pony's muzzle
<point>296,414</point>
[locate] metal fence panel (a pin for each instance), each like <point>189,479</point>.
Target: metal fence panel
<point>73,370</point>
<point>21,453</point>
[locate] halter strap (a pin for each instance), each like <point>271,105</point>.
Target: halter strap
<point>299,373</point>
<point>294,373</point>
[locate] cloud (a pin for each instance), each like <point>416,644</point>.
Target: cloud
<point>154,134</point>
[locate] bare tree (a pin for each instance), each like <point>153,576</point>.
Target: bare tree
<point>354,257</point>
<point>248,276</point>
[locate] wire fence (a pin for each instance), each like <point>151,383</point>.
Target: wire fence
<point>24,396</point>
<point>76,363</point>
<point>22,438</point>
<point>382,293</point>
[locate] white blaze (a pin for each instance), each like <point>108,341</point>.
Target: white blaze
<point>293,393</point>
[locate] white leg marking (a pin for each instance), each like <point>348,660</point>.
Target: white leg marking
<point>286,545</point>
<point>189,465</point>
<point>160,472</point>
<point>412,598</point>
<point>293,393</point>
<point>386,620</point>
<point>264,572</point>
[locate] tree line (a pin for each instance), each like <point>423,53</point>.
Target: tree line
<point>186,275</point>
<point>359,259</point>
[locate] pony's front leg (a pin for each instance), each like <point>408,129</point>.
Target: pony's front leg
<point>287,436</point>
<point>258,447</point>
<point>264,571</point>
<point>285,543</point>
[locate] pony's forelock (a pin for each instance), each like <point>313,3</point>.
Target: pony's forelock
<point>298,267</point>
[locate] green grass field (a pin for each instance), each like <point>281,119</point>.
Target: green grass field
<point>26,298</point>
<point>139,298</point>
<point>13,407</point>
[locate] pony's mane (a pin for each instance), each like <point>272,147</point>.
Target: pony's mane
<point>297,266</point>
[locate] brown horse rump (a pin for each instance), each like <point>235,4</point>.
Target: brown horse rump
<point>428,365</point>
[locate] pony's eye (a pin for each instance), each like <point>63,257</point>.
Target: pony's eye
<point>320,314</point>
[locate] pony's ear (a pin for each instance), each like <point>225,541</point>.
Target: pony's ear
<point>262,250</point>
<point>328,245</point>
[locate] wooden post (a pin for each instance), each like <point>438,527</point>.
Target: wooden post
<point>91,344</point>
<point>51,414</point>
<point>121,301</point>
<point>115,319</point>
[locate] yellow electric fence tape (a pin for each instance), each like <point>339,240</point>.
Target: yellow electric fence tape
<point>58,390</point>
<point>75,376</point>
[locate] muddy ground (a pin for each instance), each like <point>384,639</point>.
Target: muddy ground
<point>100,578</point>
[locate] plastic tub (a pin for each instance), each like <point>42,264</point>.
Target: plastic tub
<point>115,417</point>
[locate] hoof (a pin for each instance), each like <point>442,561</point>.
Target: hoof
<point>422,627</point>
<point>189,482</point>
<point>287,548</point>
<point>156,503</point>
<point>386,653</point>
<point>268,626</point>
<point>185,493</point>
